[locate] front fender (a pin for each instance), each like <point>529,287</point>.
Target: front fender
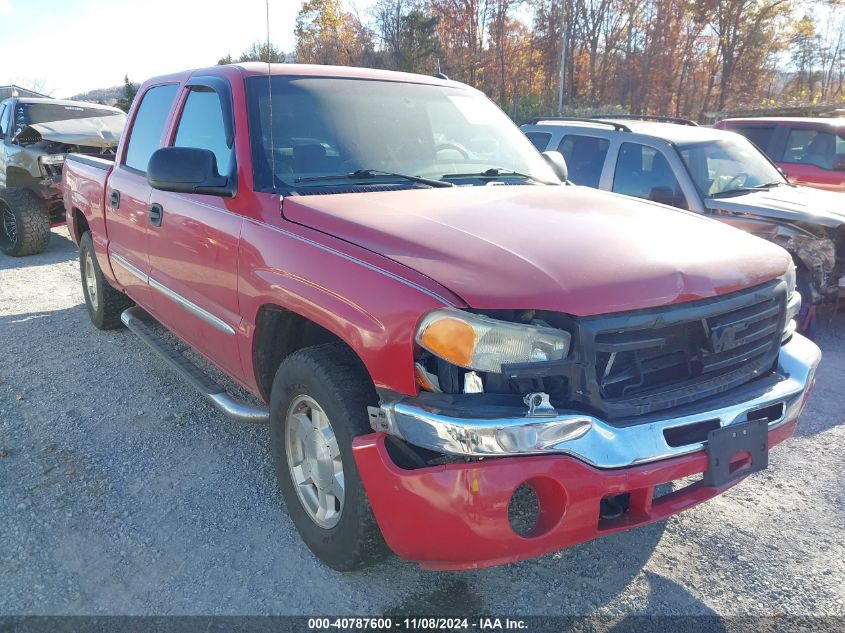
<point>362,298</point>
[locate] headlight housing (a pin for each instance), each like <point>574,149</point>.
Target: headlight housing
<point>480,343</point>
<point>793,300</point>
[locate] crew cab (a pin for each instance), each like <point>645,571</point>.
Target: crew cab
<point>712,172</point>
<point>460,356</point>
<point>35,135</point>
<point>810,151</point>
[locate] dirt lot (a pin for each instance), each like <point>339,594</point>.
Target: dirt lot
<point>124,493</point>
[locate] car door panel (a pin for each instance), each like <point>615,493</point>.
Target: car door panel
<point>194,252</point>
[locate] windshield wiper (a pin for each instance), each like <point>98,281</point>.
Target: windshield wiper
<point>765,185</point>
<point>494,172</point>
<point>367,174</point>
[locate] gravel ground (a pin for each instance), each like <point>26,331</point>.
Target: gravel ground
<point>122,492</point>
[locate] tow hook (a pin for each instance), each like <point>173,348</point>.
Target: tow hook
<point>539,406</point>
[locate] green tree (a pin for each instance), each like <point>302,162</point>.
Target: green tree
<point>408,36</point>
<point>129,91</point>
<point>257,52</point>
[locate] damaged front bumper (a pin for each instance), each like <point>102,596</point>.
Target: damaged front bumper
<point>455,516</point>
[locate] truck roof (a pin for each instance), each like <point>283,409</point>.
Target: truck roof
<point>260,69</point>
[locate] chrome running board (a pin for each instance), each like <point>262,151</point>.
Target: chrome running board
<point>196,377</point>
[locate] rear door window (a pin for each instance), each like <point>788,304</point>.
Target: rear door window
<point>644,172</point>
<point>202,126</point>
<point>584,157</point>
<point>760,135</point>
<point>809,146</point>
<point>145,136</point>
<point>540,140</point>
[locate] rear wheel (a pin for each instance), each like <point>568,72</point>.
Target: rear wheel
<point>24,227</point>
<point>104,303</point>
<point>318,406</point>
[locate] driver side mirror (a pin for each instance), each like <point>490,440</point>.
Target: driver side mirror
<point>187,170</point>
<point>558,164</point>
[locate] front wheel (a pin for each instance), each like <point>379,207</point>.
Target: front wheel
<point>317,407</point>
<point>24,227</point>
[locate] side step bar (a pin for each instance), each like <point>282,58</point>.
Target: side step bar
<point>198,379</point>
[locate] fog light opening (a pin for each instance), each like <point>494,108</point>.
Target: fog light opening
<point>536,507</point>
<point>524,510</point>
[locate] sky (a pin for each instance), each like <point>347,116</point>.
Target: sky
<point>71,46</point>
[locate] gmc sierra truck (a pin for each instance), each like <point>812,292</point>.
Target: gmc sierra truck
<point>462,357</point>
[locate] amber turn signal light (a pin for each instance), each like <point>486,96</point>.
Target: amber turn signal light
<point>451,339</point>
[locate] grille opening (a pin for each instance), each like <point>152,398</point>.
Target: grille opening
<point>691,433</point>
<point>524,510</point>
<point>770,414</point>
<point>652,365</point>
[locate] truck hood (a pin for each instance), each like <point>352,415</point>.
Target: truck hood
<point>91,132</point>
<point>569,249</point>
<point>797,204</point>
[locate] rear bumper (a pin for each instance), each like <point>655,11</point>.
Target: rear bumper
<point>455,516</point>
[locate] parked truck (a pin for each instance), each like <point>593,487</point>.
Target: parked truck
<point>35,135</point>
<point>461,357</point>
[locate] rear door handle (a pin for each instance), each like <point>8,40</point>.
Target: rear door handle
<point>156,212</point>
<point>114,199</point>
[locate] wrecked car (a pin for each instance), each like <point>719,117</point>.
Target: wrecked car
<point>35,136</point>
<point>712,172</point>
<point>460,357</point>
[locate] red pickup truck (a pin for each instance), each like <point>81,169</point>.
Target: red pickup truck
<point>462,356</point>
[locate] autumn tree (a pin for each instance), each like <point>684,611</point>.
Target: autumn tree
<point>326,34</point>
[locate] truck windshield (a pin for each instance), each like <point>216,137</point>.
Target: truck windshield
<point>323,126</point>
<point>34,113</point>
<point>727,166</point>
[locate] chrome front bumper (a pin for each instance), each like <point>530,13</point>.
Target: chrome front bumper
<point>593,440</point>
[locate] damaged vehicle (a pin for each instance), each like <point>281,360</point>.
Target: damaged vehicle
<point>712,172</point>
<point>460,357</point>
<point>35,136</point>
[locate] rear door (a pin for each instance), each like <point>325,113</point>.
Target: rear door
<point>127,193</point>
<point>194,251</point>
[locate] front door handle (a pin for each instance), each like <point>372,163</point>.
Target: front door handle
<point>114,199</point>
<point>155,214</point>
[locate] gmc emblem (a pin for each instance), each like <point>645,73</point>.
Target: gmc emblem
<point>725,337</point>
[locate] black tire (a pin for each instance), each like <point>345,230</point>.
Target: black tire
<point>334,378</point>
<point>24,226</point>
<point>105,304</point>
